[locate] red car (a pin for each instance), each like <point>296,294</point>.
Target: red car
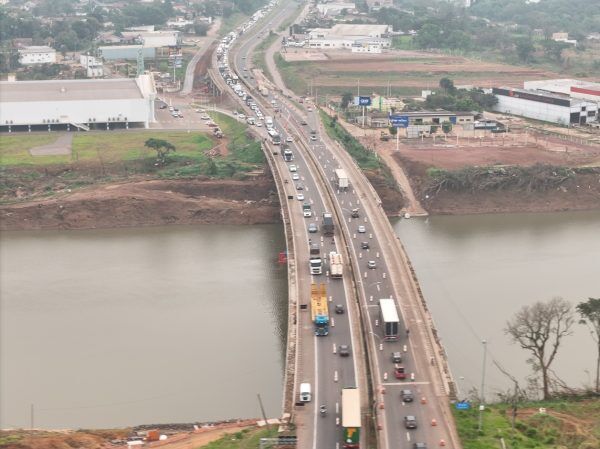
<point>399,372</point>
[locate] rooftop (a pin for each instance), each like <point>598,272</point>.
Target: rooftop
<point>69,90</point>
<point>342,29</point>
<point>37,49</point>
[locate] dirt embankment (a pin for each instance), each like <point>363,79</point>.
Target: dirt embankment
<point>149,203</point>
<point>579,192</point>
<point>392,200</point>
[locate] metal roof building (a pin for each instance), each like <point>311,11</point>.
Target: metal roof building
<point>80,103</point>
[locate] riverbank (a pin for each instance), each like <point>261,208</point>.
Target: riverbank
<point>149,203</point>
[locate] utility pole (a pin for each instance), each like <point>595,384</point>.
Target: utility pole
<point>31,417</point>
<point>482,393</point>
<point>262,409</point>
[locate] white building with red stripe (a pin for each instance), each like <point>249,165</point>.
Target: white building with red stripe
<point>584,90</point>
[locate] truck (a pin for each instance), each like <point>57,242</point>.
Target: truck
<point>341,179</point>
<point>305,395</point>
<point>351,414</point>
<point>389,319</point>
<point>315,250</point>
<point>336,266</point>
<point>319,309</point>
<point>315,261</point>
<point>250,120</point>
<point>327,227</point>
<point>275,137</point>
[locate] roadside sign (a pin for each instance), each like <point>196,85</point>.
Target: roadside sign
<point>362,101</point>
<point>399,121</point>
<point>462,406</point>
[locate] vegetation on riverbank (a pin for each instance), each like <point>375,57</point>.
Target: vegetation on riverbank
<point>104,157</point>
<point>245,439</point>
<point>378,173</point>
<point>566,423</point>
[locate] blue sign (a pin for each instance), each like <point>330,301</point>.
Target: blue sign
<point>362,101</point>
<point>399,121</point>
<point>462,406</point>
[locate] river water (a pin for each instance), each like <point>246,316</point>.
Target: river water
<point>154,325</point>
<point>131,326</point>
<point>477,271</point>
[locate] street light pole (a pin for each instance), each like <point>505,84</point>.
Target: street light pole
<point>482,393</point>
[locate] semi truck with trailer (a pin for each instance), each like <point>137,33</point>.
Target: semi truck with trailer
<point>319,309</point>
<point>341,179</point>
<point>336,266</point>
<point>328,228</point>
<point>351,418</point>
<point>389,319</point>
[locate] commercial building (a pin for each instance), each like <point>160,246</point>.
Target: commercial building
<point>37,55</point>
<point>436,117</point>
<point>548,107</point>
<point>92,65</point>
<point>358,38</point>
<point>115,52</point>
<point>584,90</point>
<point>154,39</point>
<point>102,103</point>
<point>334,9</point>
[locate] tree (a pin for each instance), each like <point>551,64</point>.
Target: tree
<point>447,84</point>
<point>525,49</point>
<point>346,100</point>
<point>162,148</point>
<point>590,313</point>
<point>540,328</point>
<point>200,28</point>
<point>553,50</point>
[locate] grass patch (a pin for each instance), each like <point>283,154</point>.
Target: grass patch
<point>246,439</point>
<point>532,429</point>
<point>260,52</point>
<point>14,149</point>
<point>402,43</point>
<point>291,76</point>
<point>365,159</point>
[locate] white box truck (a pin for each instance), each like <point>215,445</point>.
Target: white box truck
<point>341,179</point>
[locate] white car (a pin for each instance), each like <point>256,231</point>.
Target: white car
<point>293,168</point>
<point>205,117</point>
<point>362,229</point>
<point>289,139</point>
<point>300,197</point>
<point>295,176</point>
<point>259,124</point>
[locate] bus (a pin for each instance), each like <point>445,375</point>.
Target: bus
<point>351,417</point>
<point>389,318</point>
<point>275,137</point>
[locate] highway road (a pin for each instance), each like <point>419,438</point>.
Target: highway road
<point>319,361</point>
<point>391,278</point>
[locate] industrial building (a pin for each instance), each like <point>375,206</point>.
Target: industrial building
<point>436,117</point>
<point>115,52</point>
<point>154,39</point>
<point>37,55</point>
<point>548,107</point>
<point>82,104</point>
<point>584,90</point>
<point>334,9</point>
<point>358,38</point>
<point>92,65</point>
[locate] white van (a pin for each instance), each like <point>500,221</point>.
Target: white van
<point>305,392</point>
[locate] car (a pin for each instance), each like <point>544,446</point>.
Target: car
<point>212,125</point>
<point>171,108</point>
<point>339,309</point>
<point>289,139</point>
<point>180,115</point>
<point>410,422</point>
<point>259,124</point>
<point>355,213</point>
<point>313,138</point>
<point>312,228</point>
<point>309,109</point>
<point>420,446</point>
<point>299,187</point>
<point>300,197</point>
<point>364,245</point>
<point>205,117</point>
<point>344,350</point>
<point>243,57</point>
<point>362,229</point>
<point>407,395</point>
<point>371,264</point>
<point>295,176</point>
<point>303,122</point>
<point>163,106</point>
<point>399,372</point>
<point>293,168</point>
<point>245,76</point>
<point>396,357</point>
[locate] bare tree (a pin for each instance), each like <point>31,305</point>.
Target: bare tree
<point>540,328</point>
<point>590,314</point>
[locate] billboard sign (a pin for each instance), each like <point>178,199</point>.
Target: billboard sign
<point>362,101</point>
<point>399,121</point>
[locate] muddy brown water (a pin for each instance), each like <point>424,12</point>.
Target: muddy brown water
<point>175,324</point>
<point>120,327</point>
<point>476,271</point>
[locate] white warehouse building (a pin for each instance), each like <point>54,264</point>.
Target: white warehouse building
<point>575,88</point>
<point>544,106</point>
<point>37,55</point>
<point>98,103</point>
